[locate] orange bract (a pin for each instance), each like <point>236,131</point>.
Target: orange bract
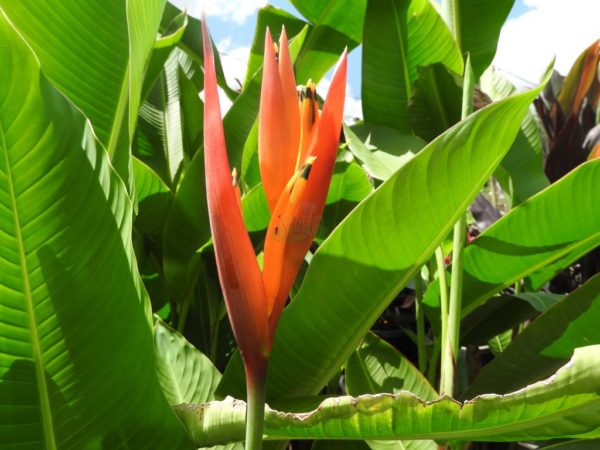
<point>297,151</point>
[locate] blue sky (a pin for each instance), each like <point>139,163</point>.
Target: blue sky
<point>535,32</point>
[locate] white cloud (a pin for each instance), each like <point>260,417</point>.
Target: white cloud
<point>550,28</point>
<point>234,61</point>
<point>352,104</point>
<point>229,10</point>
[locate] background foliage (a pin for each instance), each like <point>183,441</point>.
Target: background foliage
<point>112,324</point>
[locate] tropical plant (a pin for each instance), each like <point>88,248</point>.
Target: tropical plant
<point>394,270</point>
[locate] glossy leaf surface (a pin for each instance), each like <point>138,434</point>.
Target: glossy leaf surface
<point>72,308</point>
<point>566,404</point>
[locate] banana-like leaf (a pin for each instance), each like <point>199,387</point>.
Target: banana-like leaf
<point>376,250</point>
<point>436,101</point>
<point>336,25</point>
<point>477,25</point>
<point>398,37</point>
<point>95,52</point>
<point>521,172</point>
<point>159,136</point>
<point>154,200</point>
<point>381,150</point>
<point>547,227</point>
<point>565,405</point>
<point>185,374</point>
<point>273,18</point>
<point>534,241</point>
<point>186,230</point>
<point>72,308</point>
<point>546,343</point>
<point>377,367</point>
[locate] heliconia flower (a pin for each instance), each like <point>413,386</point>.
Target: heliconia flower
<point>297,151</point>
<point>294,216</point>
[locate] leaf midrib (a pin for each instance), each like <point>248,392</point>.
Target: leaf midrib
<point>45,409</point>
<point>115,129</point>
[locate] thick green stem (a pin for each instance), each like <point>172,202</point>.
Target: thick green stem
<point>439,259</point>
<point>422,351</point>
<point>451,344</point>
<point>450,339</point>
<point>256,377</point>
<point>433,362</point>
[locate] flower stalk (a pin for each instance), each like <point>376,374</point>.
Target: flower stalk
<point>297,150</point>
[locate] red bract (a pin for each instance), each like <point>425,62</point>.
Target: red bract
<point>297,151</point>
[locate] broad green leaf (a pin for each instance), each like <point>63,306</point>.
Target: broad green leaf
<point>191,44</point>
<point>499,342</point>
<point>154,199</point>
<point>315,9</point>
<point>565,405</point>
<point>398,37</point>
<point>273,18</point>
<point>336,25</point>
<point>436,101</point>
<point>72,308</point>
<point>349,182</point>
<point>493,318</point>
<point>377,367</point>
<point>187,229</point>
<point>545,344</point>
<point>523,163</point>
<point>542,230</point>
<point>381,150</point>
<point>255,209</point>
<point>143,20</point>
<point>185,374</point>
<point>339,25</point>
<point>376,250</point>
<point>192,112</point>
<point>541,301</point>
<point>159,137</point>
<point>476,25</point>
<point>250,164</point>
<point>95,53</point>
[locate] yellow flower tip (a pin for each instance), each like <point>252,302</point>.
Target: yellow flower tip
<point>234,177</point>
<point>276,49</point>
<point>309,92</point>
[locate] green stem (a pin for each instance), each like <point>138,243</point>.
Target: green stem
<point>185,308</point>
<point>433,362</point>
<point>439,259</point>
<point>450,339</point>
<point>420,323</point>
<point>451,344</point>
<point>255,409</point>
<point>518,287</point>
<point>493,193</point>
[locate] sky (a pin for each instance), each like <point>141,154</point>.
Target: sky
<point>535,32</point>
